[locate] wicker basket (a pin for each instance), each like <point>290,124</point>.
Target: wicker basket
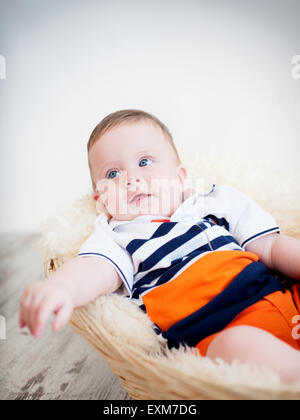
<point>156,377</point>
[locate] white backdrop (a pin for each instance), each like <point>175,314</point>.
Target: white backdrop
<point>217,73</point>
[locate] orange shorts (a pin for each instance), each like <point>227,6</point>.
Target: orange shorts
<point>277,313</point>
<point>205,279</point>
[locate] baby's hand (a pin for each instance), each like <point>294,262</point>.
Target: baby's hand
<point>41,299</point>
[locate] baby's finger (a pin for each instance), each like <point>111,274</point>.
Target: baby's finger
<point>36,308</point>
<point>63,315</point>
<point>46,307</point>
<point>22,323</point>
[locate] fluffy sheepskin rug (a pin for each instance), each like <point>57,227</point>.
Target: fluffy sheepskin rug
<point>277,191</point>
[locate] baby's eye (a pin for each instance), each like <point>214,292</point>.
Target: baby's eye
<point>112,174</point>
<point>145,162</point>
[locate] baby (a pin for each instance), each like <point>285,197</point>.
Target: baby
<point>199,262</point>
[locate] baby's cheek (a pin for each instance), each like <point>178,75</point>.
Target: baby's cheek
<point>107,193</point>
<point>168,189</point>
<point>100,207</point>
<point>173,195</point>
<point>118,203</point>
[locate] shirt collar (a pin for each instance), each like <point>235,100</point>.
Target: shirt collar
<point>144,218</point>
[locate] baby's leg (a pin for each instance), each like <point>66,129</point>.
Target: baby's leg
<point>256,347</point>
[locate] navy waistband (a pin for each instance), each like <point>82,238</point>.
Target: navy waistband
<point>248,287</point>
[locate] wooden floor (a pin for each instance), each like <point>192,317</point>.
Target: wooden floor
<point>55,366</point>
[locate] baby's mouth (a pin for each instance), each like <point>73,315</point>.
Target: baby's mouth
<point>138,197</point>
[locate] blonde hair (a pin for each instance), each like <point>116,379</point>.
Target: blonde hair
<point>123,116</point>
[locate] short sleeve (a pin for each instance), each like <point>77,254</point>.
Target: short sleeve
<point>102,245</point>
<point>247,220</point>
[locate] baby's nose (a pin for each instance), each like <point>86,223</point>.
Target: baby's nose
<point>132,181</point>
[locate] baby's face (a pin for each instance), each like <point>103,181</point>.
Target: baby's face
<point>136,172</point>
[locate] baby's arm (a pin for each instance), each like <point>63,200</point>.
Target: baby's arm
<point>278,252</point>
<point>76,283</point>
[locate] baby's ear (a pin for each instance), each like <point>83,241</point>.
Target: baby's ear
<point>99,205</point>
<point>96,195</point>
<point>182,172</point>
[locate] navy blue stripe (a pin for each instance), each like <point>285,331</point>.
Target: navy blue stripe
<point>149,277</point>
<point>249,286</point>
<point>223,240</point>
<point>134,245</point>
<point>168,247</point>
<point>169,272</point>
<point>259,234</point>
<point>163,229</point>
<point>219,221</point>
<point>101,255</point>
